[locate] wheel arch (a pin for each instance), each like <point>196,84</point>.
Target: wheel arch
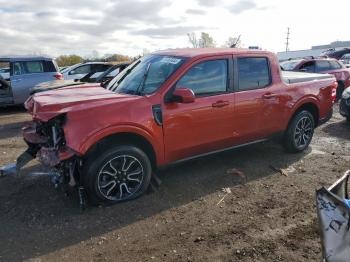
<point>124,138</point>
<point>308,106</point>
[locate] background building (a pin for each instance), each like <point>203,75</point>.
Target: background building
<point>314,51</point>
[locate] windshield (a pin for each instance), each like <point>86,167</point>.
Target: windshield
<point>145,75</point>
<point>289,65</point>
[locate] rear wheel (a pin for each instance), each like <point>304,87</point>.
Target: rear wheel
<point>300,132</point>
<point>121,173</point>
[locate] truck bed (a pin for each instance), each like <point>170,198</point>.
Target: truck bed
<point>290,77</point>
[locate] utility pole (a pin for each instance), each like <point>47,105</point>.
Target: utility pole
<point>287,43</point>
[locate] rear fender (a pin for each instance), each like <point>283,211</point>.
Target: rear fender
<point>308,100</point>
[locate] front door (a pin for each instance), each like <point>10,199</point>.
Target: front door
<point>205,124</point>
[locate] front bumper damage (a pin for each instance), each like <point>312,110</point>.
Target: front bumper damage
<point>46,142</point>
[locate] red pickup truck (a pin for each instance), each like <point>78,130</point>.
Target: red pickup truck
<point>170,106</point>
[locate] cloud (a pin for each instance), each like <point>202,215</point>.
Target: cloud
<point>209,2</point>
<point>166,32</point>
<point>242,6</point>
<point>55,26</point>
<point>196,12</point>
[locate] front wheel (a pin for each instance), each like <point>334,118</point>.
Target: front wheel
<point>119,174</point>
<point>300,131</point>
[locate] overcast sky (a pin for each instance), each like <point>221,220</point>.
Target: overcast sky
<point>128,26</point>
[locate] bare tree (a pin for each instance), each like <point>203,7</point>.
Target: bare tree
<point>204,41</point>
<point>192,38</point>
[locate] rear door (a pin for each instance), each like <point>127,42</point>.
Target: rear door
<point>204,125</point>
<point>259,108</point>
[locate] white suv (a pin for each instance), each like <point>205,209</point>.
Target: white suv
<point>78,71</point>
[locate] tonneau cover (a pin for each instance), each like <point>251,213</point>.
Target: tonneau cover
<point>291,77</point>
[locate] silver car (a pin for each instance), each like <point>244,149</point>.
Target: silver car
<point>25,73</point>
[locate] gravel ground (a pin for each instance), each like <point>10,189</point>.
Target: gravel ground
<point>263,215</point>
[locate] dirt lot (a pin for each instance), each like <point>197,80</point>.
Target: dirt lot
<point>271,217</point>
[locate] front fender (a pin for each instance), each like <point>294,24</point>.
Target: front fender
<point>93,138</point>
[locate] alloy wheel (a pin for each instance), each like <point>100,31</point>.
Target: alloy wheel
<point>303,132</point>
<point>120,178</point>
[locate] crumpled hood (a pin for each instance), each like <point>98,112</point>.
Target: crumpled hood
<point>46,105</point>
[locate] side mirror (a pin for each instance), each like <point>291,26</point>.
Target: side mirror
<point>72,72</point>
<point>183,95</point>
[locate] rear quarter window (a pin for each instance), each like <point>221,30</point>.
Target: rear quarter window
<point>335,65</point>
<point>253,73</point>
<point>50,66</point>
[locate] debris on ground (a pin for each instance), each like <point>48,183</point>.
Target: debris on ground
<point>283,171</point>
<point>235,171</point>
<point>226,190</point>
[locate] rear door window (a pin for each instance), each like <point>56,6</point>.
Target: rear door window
<point>335,65</point>
<point>32,67</point>
<point>206,78</point>
<point>308,67</point>
<point>253,73</point>
<point>322,65</point>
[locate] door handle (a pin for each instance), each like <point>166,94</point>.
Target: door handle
<point>269,95</point>
<point>220,103</point>
<point>16,80</point>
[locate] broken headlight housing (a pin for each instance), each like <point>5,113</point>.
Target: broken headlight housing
<point>53,130</point>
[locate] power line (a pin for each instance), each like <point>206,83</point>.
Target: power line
<point>287,43</point>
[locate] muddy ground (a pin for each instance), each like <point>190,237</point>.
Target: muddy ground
<point>271,217</point>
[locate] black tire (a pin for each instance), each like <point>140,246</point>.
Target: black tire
<point>298,135</point>
<point>340,90</point>
<point>348,118</point>
<point>103,168</point>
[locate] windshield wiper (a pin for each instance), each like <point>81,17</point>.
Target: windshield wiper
<point>125,75</point>
<point>140,88</point>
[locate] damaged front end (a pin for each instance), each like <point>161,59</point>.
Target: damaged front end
<point>46,141</point>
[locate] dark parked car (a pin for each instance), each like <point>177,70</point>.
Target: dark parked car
<point>345,104</point>
<point>336,53</point>
<point>322,66</point>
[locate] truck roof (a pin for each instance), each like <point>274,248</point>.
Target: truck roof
<point>24,58</point>
<point>194,52</point>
